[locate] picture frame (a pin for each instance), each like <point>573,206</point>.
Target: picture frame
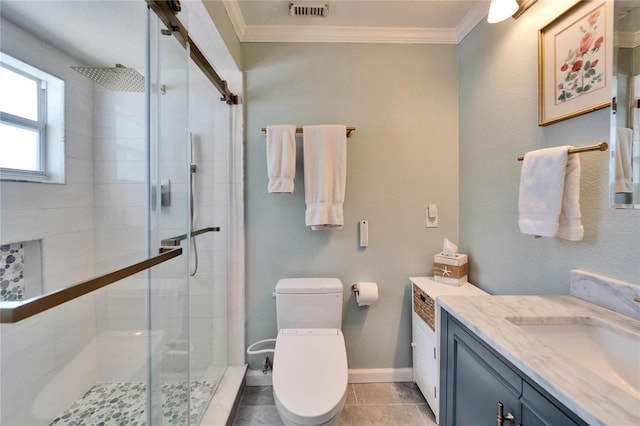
<point>575,59</point>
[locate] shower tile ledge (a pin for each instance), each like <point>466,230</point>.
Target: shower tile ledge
<point>223,402</point>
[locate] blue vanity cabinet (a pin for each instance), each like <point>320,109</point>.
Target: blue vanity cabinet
<point>539,411</point>
<point>474,380</point>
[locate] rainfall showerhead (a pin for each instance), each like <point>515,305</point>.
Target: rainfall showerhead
<point>118,79</point>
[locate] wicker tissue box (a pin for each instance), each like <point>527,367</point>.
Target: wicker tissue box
<point>450,269</point>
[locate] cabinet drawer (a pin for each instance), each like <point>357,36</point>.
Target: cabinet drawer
<point>424,306</point>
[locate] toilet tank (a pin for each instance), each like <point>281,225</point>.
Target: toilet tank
<point>309,303</point>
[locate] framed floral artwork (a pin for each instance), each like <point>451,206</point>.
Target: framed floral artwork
<point>575,56</point>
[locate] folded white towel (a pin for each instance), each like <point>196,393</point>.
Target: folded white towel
<point>325,175</point>
<point>623,150</point>
<point>281,158</point>
<point>549,194</point>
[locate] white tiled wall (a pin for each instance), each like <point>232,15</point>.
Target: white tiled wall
<point>60,215</point>
<point>208,288</point>
<point>119,175</point>
<point>36,353</point>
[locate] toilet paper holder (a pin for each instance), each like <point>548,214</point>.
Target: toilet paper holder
<point>366,293</point>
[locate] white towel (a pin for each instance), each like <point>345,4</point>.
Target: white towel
<point>281,158</point>
<point>325,175</point>
<point>570,224</point>
<point>623,147</point>
<point>549,194</point>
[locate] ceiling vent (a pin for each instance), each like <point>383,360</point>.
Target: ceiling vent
<point>309,9</point>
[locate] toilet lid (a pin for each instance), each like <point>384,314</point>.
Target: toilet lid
<point>310,373</point>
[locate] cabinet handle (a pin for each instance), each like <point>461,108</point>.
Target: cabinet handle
<point>502,417</point>
<point>423,298</point>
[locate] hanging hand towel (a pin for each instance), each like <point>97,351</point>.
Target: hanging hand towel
<point>570,223</point>
<point>281,158</point>
<point>325,175</point>
<point>549,187</point>
<point>623,153</point>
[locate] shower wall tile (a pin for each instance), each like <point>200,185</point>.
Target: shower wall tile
<point>117,195</point>
<point>65,196</point>
<point>220,241</point>
<point>221,167</point>
<point>20,225</point>
<point>221,195</point>
<point>128,217</point>
<point>220,293</point>
<point>219,341</point>
<point>24,367</point>
<point>206,241</point>
<point>105,149</point>
<point>19,195</point>
<point>210,172</point>
<point>79,146</point>
<point>119,247</point>
<point>119,172</point>
<point>56,262</point>
<point>67,220</point>
<point>73,326</point>
<point>31,211</point>
<point>79,170</point>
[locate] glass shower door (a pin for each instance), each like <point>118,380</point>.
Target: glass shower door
<point>168,216</point>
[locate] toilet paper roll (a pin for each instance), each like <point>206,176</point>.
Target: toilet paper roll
<point>367,293</point>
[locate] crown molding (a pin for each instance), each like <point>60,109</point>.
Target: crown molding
<point>627,39</point>
<point>329,34</point>
<point>323,34</point>
<point>477,13</point>
<point>235,15</point>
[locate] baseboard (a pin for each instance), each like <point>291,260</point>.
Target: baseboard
<point>380,375</point>
<point>356,375</point>
<point>258,378</point>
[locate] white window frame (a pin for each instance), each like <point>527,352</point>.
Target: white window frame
<point>50,125</point>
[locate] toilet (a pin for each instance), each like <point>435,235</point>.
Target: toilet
<point>310,361</point>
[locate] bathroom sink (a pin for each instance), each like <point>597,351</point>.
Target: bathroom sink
<point>611,352</point>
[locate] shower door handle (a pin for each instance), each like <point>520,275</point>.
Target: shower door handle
<point>175,241</point>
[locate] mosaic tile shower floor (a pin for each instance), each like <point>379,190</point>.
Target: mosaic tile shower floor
<point>109,404</point>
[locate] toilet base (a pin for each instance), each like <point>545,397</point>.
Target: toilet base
<point>288,422</point>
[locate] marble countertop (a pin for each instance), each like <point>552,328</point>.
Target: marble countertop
<point>594,399</point>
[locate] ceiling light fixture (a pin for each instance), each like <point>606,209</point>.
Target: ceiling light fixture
<point>501,10</point>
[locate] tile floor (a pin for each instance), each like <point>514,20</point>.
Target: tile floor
<point>371,404</point>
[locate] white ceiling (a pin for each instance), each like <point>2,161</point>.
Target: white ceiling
<point>97,33</point>
<point>105,32</point>
<point>367,21</point>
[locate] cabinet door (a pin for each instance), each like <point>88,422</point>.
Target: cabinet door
<point>476,381</point>
<point>425,372</point>
<point>539,411</point>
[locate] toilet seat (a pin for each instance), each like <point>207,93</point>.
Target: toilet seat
<point>310,375</point>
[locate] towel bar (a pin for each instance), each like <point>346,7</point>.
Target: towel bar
<point>350,130</point>
<point>602,146</point>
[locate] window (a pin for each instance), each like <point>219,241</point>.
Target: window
<point>31,123</point>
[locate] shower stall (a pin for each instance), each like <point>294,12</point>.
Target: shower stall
<point>121,279</point>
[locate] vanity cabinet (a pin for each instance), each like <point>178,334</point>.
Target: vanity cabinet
<point>475,380</point>
<point>425,320</point>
